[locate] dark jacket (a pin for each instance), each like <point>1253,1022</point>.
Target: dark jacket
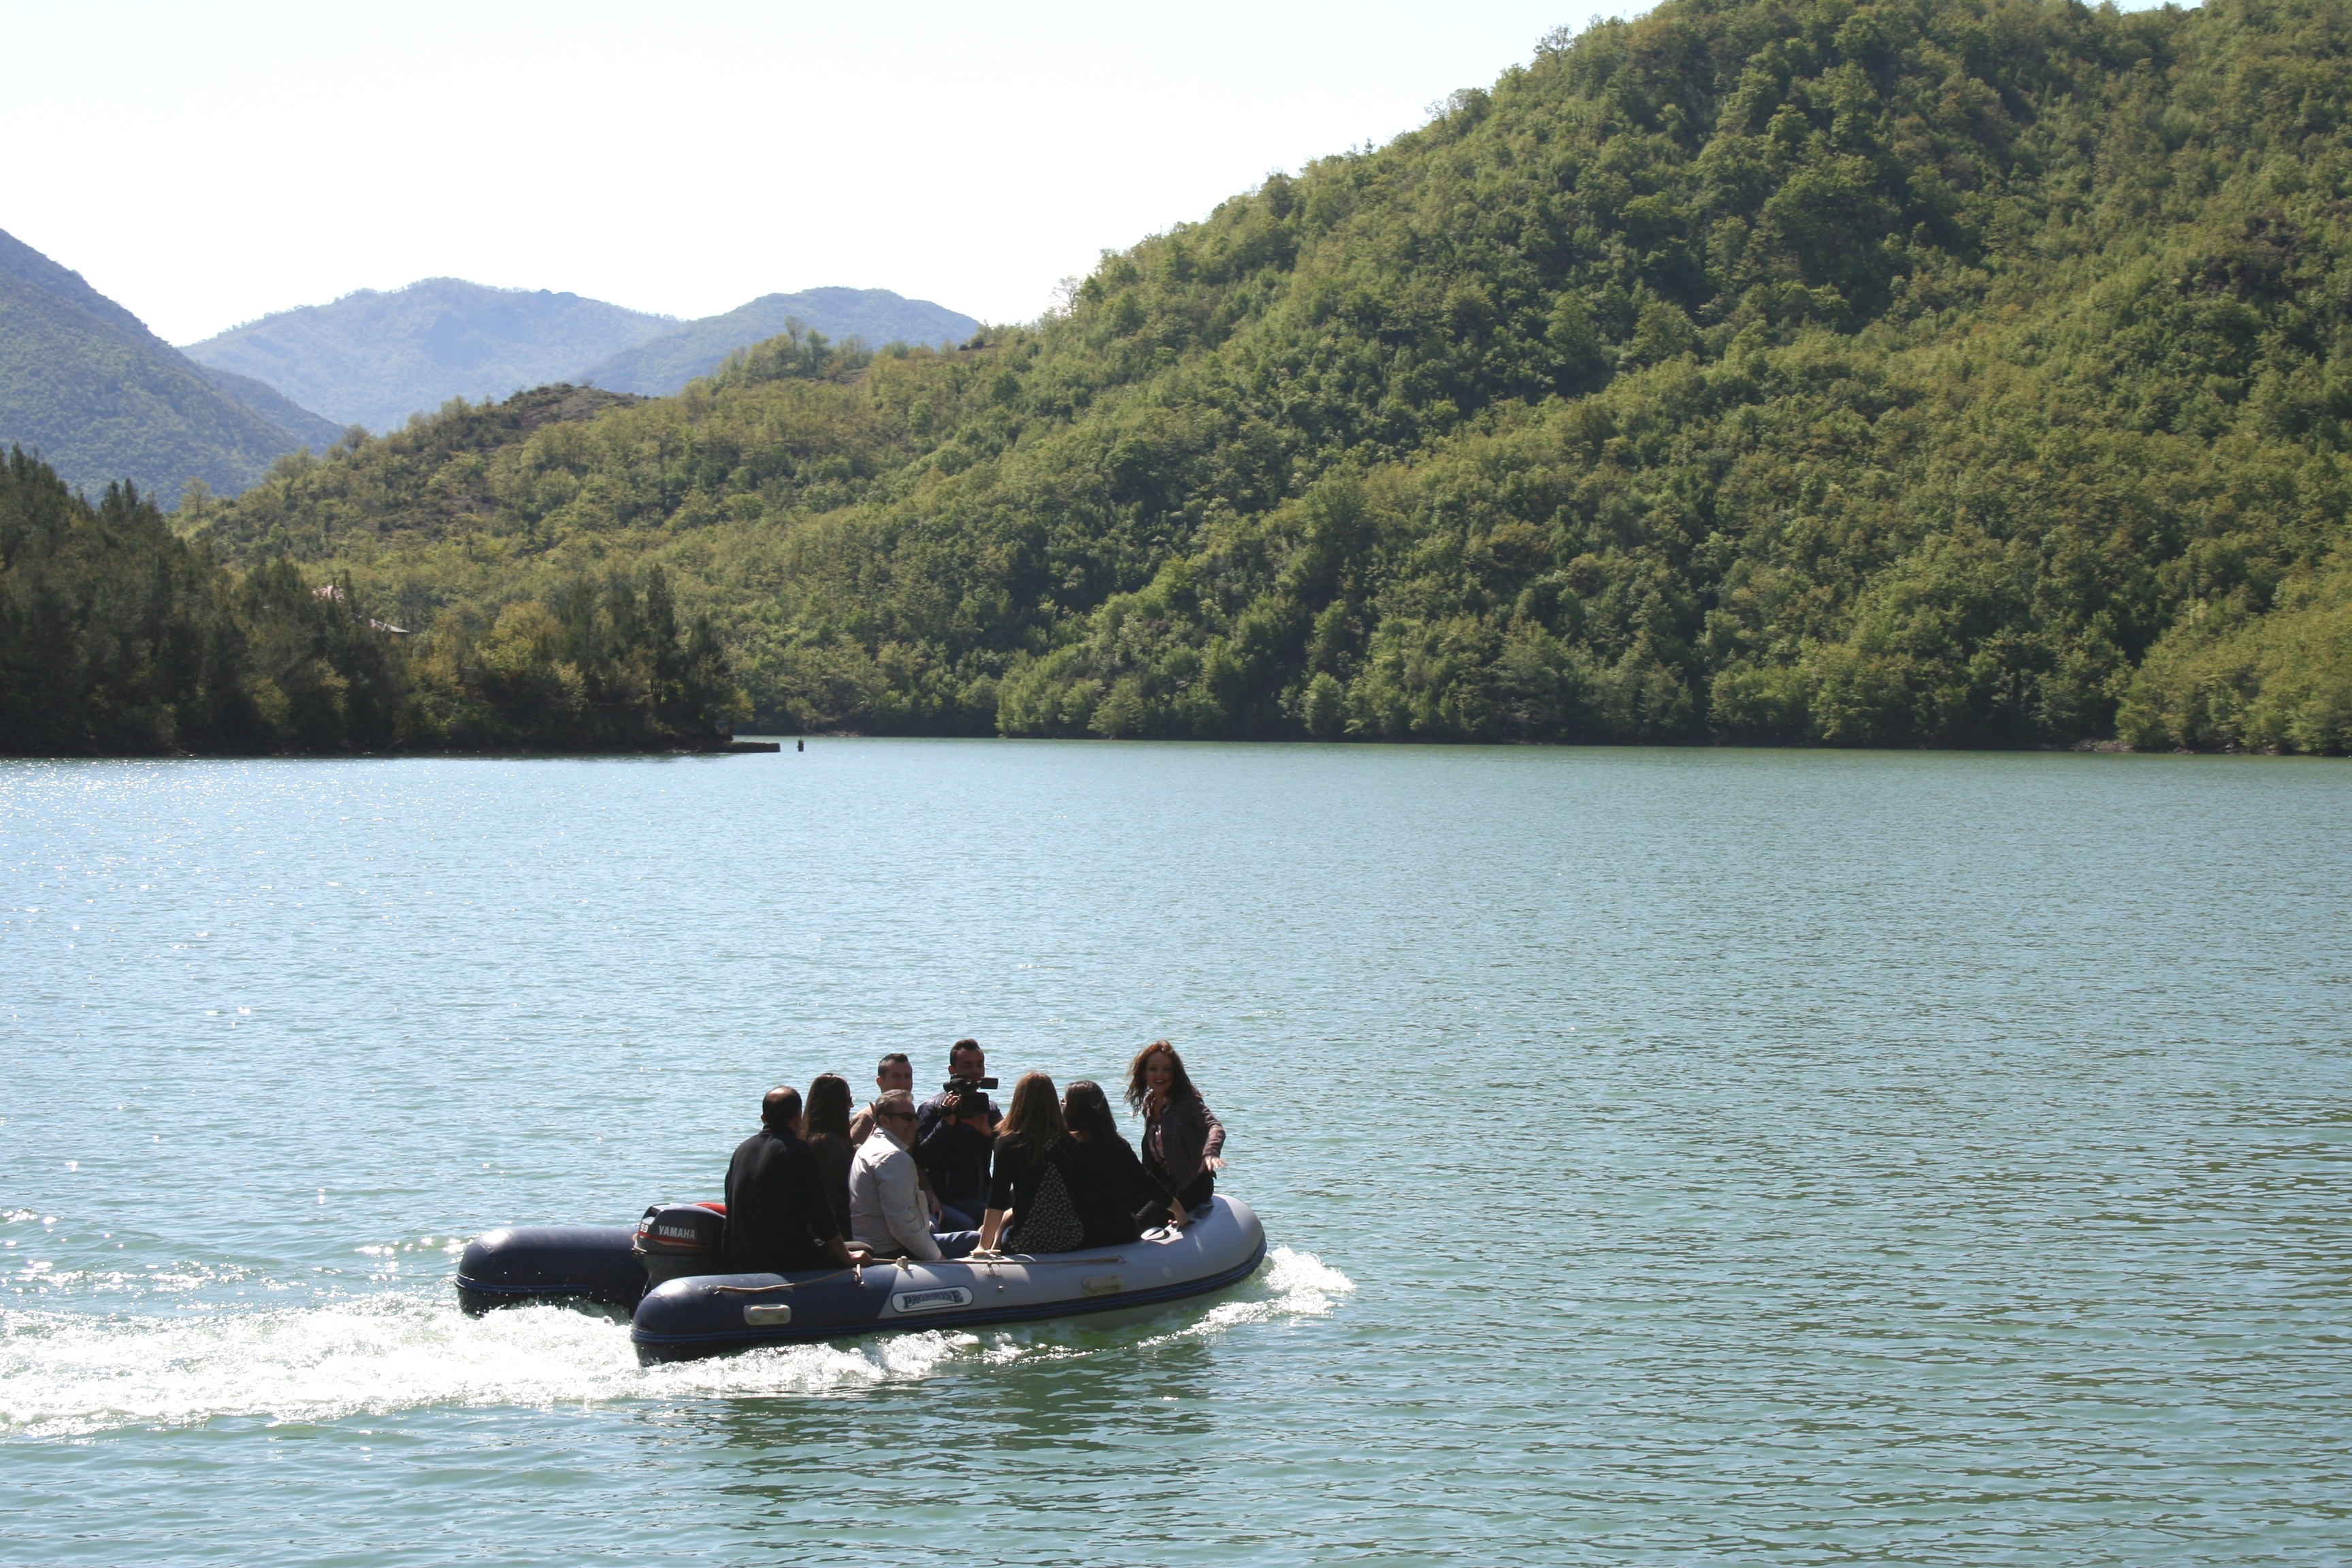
<point>1012,1182</point>
<point>777,1216</point>
<point>833,1156</point>
<point>1113,1193</point>
<point>953,1157</point>
<point>931,1109</point>
<point>1178,1144</point>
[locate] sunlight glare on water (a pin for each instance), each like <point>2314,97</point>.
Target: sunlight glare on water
<point>1666,1156</point>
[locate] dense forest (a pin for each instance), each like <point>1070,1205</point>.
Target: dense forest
<point>1944,373</point>
<point>117,635</point>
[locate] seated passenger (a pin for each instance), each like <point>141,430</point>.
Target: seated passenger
<point>1114,1196</point>
<point>893,1071</point>
<point>886,1213</point>
<point>777,1218</point>
<point>952,1153</point>
<point>1031,1191</point>
<point>1182,1138</point>
<point>966,1059</point>
<point>825,1128</point>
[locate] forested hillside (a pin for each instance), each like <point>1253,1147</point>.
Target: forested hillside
<point>101,397</point>
<point>1957,372</point>
<point>663,365</point>
<point>117,636</point>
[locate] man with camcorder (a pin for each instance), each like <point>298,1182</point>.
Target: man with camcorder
<point>955,1131</point>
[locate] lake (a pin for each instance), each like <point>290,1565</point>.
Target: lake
<point>1669,1156</point>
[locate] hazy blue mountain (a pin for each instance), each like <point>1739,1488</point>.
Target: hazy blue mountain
<point>374,358</point>
<point>664,364</point>
<point>306,428</point>
<point>84,383</point>
<point>22,262</point>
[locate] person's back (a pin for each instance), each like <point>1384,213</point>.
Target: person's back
<point>825,1129</point>
<point>1113,1195</point>
<point>833,1156</point>
<point>1032,1205</point>
<point>1111,1190</point>
<point>1037,1194</point>
<point>777,1216</point>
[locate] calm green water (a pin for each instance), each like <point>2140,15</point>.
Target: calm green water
<point>1672,1157</point>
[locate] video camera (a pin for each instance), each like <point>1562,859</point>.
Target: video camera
<point>966,1088</point>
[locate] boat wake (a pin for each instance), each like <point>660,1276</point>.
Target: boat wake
<point>1291,1284</point>
<point>66,1374</point>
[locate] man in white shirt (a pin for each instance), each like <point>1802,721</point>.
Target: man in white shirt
<point>887,1210</point>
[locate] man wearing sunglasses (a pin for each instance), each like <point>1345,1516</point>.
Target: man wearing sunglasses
<point>886,1212</point>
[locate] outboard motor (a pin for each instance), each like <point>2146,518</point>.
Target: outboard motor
<point>675,1240</point>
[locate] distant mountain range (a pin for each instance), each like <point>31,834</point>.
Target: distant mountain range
<point>374,358</point>
<point>85,384</point>
<point>664,364</point>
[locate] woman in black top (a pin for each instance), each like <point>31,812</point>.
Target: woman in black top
<point>825,1128</point>
<point>1114,1194</point>
<point>1032,1183</point>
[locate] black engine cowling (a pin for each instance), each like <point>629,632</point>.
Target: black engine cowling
<point>674,1240</point>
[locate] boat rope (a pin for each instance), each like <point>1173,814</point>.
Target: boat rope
<point>857,1271</point>
<point>1026,1259</point>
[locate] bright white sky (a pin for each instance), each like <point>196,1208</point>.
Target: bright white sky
<point>204,165</point>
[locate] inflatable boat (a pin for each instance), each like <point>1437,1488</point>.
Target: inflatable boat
<point>660,1273</point>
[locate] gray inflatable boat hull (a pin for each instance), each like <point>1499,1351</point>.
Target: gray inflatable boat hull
<point>711,1315</point>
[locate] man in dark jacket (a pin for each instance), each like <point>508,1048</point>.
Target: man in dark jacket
<point>966,1059</point>
<point>777,1216</point>
<point>953,1135</point>
<point>953,1155</point>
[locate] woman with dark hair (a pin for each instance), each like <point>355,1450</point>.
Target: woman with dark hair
<point>1183,1141</point>
<point>825,1128</point>
<point>1032,1183</point>
<point>1114,1196</point>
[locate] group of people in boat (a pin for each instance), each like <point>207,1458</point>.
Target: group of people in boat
<point>820,1184</point>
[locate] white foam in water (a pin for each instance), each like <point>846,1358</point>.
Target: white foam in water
<point>66,1374</point>
<point>1298,1285</point>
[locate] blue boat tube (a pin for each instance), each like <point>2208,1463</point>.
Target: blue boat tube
<point>610,1266</point>
<point>711,1314</point>
<point>558,1263</point>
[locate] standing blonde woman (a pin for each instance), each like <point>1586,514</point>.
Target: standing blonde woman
<point>1183,1141</point>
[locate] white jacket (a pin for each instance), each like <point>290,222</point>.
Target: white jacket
<point>886,1200</point>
